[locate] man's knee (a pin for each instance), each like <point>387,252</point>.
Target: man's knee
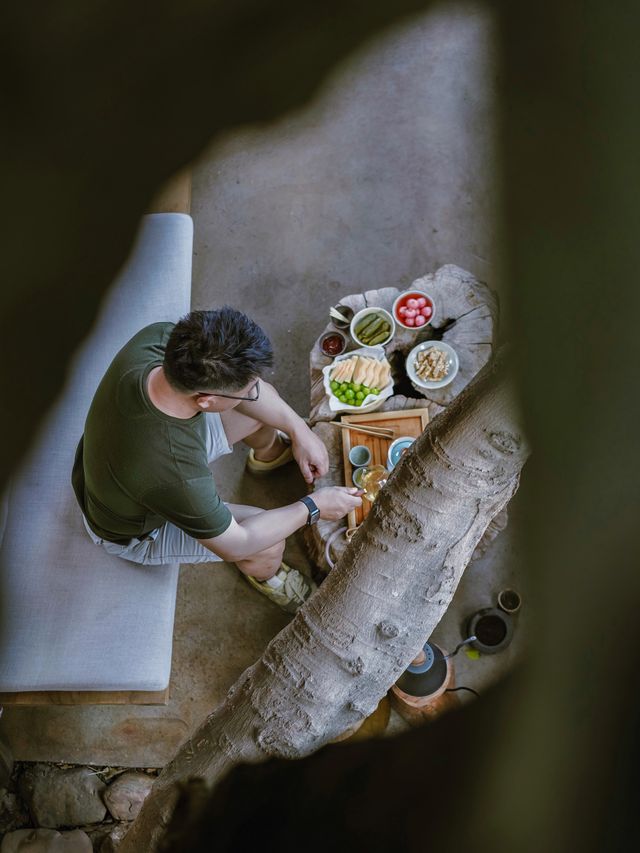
<point>264,564</point>
<point>272,557</point>
<point>238,427</point>
<point>277,551</point>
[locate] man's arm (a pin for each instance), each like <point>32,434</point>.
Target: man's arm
<point>263,529</point>
<point>245,538</point>
<point>308,451</point>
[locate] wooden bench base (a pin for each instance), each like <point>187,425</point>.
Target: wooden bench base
<point>174,196</point>
<point>86,697</point>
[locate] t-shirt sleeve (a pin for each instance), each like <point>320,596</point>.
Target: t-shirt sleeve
<point>192,505</point>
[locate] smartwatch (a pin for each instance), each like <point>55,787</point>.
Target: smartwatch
<point>314,512</point>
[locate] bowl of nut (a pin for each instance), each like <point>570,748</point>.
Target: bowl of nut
<point>432,364</point>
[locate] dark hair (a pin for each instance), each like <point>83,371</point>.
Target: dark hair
<point>219,350</point>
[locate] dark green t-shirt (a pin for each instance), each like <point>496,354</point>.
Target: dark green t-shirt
<point>136,467</point>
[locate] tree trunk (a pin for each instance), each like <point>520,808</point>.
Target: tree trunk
<point>330,666</point>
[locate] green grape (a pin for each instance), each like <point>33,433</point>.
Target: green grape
<point>343,387</point>
<point>375,391</point>
<point>359,395</point>
<point>335,385</point>
<point>356,388</point>
<point>349,394</point>
<point>366,390</point>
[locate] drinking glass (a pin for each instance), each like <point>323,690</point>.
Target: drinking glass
<point>373,479</point>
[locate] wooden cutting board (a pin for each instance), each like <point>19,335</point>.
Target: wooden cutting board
<point>411,422</point>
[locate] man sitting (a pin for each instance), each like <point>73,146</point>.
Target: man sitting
<point>175,398</point>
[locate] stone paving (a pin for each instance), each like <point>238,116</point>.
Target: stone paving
<point>47,808</point>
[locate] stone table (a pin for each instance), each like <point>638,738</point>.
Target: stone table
<point>466,317</point>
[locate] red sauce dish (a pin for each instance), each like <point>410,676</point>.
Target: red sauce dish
<point>413,309</point>
<point>332,344</point>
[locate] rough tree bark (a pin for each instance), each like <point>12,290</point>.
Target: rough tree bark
<point>329,667</point>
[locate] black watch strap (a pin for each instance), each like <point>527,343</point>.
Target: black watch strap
<point>314,512</point>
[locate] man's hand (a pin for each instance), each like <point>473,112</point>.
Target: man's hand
<point>271,410</point>
<point>310,454</point>
<point>334,502</point>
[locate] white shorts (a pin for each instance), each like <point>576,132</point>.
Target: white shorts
<point>169,544</point>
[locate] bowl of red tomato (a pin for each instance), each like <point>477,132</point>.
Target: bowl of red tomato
<point>413,309</point>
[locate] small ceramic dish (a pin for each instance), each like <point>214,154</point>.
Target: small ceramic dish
<point>332,344</point>
<point>346,312</point>
<point>509,600</point>
<point>429,384</point>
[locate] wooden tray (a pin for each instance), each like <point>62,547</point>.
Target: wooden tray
<point>403,422</point>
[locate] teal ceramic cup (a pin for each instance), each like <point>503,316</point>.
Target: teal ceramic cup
<point>357,475</point>
<point>359,455</point>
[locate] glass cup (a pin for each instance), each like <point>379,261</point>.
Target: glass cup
<point>372,479</point>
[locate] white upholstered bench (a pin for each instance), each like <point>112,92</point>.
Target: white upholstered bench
<point>78,625</point>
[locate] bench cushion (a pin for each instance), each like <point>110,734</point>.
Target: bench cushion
<point>73,617</point>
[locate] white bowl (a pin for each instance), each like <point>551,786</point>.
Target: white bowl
<point>365,311</point>
<point>454,364</point>
<point>374,401</point>
<point>401,297</point>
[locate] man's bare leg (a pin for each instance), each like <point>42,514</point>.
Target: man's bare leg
<point>264,564</point>
<point>265,571</point>
<point>265,441</point>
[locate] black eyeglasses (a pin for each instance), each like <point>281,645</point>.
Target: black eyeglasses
<point>255,388</point>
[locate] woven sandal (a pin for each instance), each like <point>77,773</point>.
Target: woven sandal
<point>256,466</point>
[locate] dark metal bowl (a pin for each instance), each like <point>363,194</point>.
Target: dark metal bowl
<point>493,630</point>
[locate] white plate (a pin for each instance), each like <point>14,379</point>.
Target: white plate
<point>454,364</point>
<point>374,402</point>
